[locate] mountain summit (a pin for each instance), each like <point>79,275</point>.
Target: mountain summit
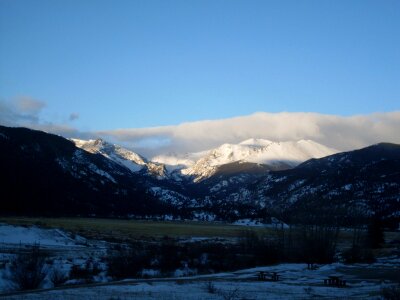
<point>123,157</point>
<point>202,165</point>
<point>274,155</point>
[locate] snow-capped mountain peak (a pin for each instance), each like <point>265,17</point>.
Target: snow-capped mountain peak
<point>118,154</point>
<point>277,155</point>
<point>122,156</point>
<point>200,165</point>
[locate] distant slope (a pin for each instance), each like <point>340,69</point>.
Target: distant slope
<point>44,174</point>
<point>363,182</point>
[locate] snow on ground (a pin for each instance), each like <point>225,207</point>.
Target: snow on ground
<point>64,250</point>
<point>275,223</point>
<point>248,222</point>
<point>297,282</point>
<point>364,281</point>
<point>10,234</point>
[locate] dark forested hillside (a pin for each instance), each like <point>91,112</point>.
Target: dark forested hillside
<point>361,182</point>
<point>46,174</point>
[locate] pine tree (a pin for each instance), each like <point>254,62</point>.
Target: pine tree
<point>375,235</point>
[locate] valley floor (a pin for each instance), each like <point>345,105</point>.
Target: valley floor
<point>364,281</point>
<point>296,282</point>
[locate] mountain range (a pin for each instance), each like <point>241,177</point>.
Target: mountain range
<point>293,180</point>
<point>202,165</point>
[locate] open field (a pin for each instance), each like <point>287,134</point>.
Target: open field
<point>110,229</point>
<point>120,229</point>
<point>66,249</point>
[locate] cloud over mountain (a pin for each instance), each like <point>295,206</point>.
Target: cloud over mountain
<point>342,133</point>
<point>339,132</point>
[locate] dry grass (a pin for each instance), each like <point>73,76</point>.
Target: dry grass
<point>120,230</point>
<point>133,229</point>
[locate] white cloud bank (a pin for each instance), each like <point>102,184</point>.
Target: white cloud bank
<point>342,133</point>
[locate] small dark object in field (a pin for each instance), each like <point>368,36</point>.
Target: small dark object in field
<point>264,276</point>
<point>335,281</point>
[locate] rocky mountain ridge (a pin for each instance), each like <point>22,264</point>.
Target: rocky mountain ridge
<point>47,174</point>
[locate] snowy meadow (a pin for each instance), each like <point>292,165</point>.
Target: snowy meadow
<point>70,265</point>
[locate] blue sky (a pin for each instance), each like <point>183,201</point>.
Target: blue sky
<point>137,64</point>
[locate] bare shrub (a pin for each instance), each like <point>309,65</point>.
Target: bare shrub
<point>230,294</point>
<point>125,262</point>
<point>375,233</point>
<point>171,255</point>
<point>259,249</point>
<point>210,287</point>
<point>85,272</point>
<point>28,269</point>
<point>391,293</point>
<point>318,243</point>
<point>308,290</point>
<point>358,254</point>
<point>58,277</point>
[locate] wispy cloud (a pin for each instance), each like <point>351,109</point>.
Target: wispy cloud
<point>29,106</point>
<point>343,133</point>
<point>20,110</point>
<point>25,112</point>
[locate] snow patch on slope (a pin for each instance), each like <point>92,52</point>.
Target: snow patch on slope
<point>121,156</point>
